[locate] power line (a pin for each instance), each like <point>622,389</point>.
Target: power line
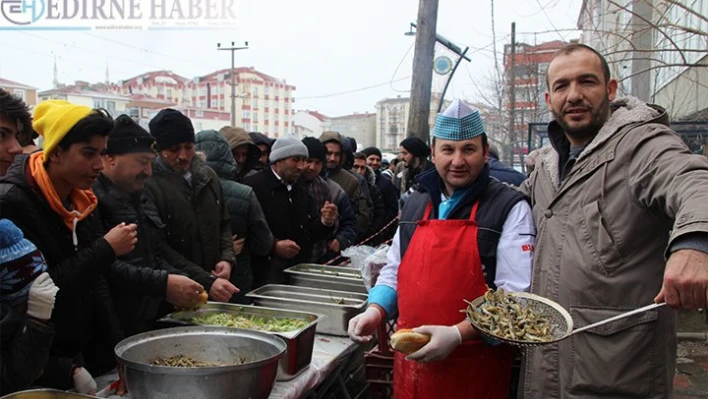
<point>543,9</point>
<point>150,51</point>
<point>352,91</point>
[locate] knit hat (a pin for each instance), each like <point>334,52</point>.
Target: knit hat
<point>286,147</point>
<point>170,127</point>
<point>369,151</point>
<point>416,146</point>
<point>54,118</point>
<point>459,122</point>
<point>20,264</point>
<point>128,137</point>
<point>315,148</point>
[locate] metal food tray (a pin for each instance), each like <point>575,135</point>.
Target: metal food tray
<point>300,342</point>
<point>45,394</point>
<point>337,278</point>
<point>338,306</point>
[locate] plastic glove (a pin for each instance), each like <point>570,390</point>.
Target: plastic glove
<point>41,298</point>
<point>83,382</point>
<point>443,340</point>
<point>362,327</point>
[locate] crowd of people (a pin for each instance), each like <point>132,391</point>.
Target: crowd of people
<point>109,226</point>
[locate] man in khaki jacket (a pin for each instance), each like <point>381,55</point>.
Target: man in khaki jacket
<point>615,196</point>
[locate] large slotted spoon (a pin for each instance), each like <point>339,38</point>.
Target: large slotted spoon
<point>560,320</point>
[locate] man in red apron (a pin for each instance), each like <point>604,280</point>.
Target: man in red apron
<point>461,232</point>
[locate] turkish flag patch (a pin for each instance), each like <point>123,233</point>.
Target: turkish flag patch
<point>527,248</point>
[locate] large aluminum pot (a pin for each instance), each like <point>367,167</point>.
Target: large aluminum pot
<point>251,380</point>
<point>45,394</point>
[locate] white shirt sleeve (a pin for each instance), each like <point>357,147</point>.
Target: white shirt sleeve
<point>389,273</point>
<point>515,250</point>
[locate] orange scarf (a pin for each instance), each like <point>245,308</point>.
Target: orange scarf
<point>83,201</point>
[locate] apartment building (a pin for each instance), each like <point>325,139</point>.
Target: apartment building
<point>27,93</point>
<point>360,127</point>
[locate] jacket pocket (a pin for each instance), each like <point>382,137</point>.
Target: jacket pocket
<point>618,359</point>
<point>600,239</point>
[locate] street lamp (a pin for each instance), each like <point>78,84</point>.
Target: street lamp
<point>450,46</point>
<point>233,48</point>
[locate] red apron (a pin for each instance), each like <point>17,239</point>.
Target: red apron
<point>442,267</point>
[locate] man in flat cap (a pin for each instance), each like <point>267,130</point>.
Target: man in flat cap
<point>460,233</point>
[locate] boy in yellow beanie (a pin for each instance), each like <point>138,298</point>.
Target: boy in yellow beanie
<point>48,196</point>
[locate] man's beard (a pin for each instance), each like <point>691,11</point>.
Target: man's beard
<point>598,117</point>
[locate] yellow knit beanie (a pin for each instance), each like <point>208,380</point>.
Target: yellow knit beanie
<point>54,118</point>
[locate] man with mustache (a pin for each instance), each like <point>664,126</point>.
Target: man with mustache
<point>139,297</point>
<point>460,232</point>
<point>292,216</point>
<point>620,203</point>
<point>191,204</point>
<point>15,124</point>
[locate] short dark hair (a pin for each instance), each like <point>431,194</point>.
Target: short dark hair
<point>97,123</point>
<point>573,47</point>
<point>360,155</point>
<point>14,109</point>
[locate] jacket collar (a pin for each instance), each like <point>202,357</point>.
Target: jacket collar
<point>623,112</point>
<point>430,180</point>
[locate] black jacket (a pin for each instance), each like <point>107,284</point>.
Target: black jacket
<point>198,223</point>
<point>291,216</point>
<point>24,346</point>
<point>505,174</point>
<point>83,303</point>
<point>495,202</point>
<point>138,289</point>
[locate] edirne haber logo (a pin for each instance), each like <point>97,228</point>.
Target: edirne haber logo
<point>116,14</point>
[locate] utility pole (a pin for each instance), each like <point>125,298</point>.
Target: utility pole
<point>233,48</point>
<point>422,81</point>
<point>512,92</point>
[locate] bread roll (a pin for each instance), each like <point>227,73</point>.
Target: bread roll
<point>406,341</point>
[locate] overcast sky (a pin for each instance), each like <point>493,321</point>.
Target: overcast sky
<point>323,47</point>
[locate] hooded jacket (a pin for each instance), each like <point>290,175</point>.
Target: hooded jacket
<point>198,223</point>
<point>236,137</point>
<point>247,218</point>
<point>350,184</point>
<point>600,251</point>
<point>83,302</point>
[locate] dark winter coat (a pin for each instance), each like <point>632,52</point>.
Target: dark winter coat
<point>291,215</point>
<point>83,303</point>
<point>389,194</point>
<point>247,218</point>
<point>24,349</point>
<point>505,174</point>
<point>138,298</point>
<point>198,223</point>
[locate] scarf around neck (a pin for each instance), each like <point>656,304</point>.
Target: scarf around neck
<point>83,201</point>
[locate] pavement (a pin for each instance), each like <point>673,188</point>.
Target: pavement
<point>691,379</point>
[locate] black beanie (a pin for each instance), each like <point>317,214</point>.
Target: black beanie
<point>315,148</point>
<point>170,127</point>
<point>369,151</point>
<point>128,137</point>
<point>416,146</point>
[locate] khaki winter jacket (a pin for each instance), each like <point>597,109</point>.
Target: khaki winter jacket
<point>602,236</point>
